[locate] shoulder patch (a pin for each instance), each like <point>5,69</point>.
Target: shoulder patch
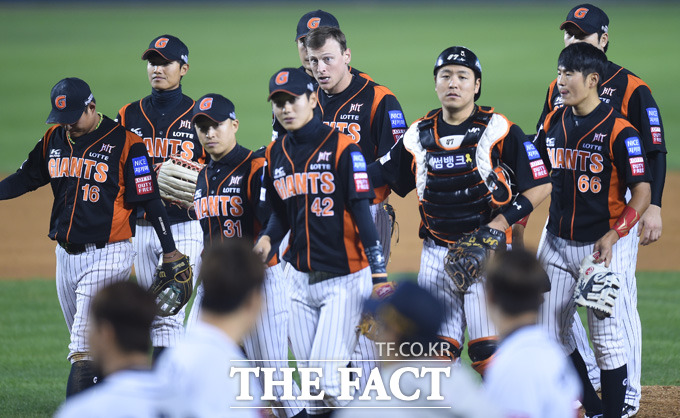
<point>653,115</point>
<point>532,152</point>
<point>397,119</point>
<point>140,166</point>
<point>361,182</point>
<point>633,146</point>
<point>358,161</point>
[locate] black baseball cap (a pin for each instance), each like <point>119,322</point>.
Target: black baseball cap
<point>313,20</point>
<point>69,97</point>
<point>590,19</point>
<point>168,47</point>
<point>216,107</point>
<point>290,80</point>
<point>411,310</point>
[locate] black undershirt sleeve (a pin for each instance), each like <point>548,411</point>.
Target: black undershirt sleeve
<point>362,216</point>
<point>657,165</point>
<point>158,216</point>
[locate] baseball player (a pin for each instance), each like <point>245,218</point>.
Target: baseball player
<point>456,158</point>
<point>631,97</point>
<point>530,376</point>
<point>594,154</point>
<point>367,112</point>
<point>227,203</point>
<point>98,172</point>
<point>197,371</point>
<point>119,337</point>
<point>317,183</point>
<point>163,120</point>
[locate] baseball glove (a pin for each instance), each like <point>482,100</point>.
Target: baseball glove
<point>177,180</point>
<point>172,286</point>
<point>467,257</point>
<point>368,325</point>
<point>597,287</point>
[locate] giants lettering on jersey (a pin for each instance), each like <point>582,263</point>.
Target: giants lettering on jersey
<point>352,129</point>
<point>578,160</point>
<point>78,167</point>
<point>305,183</point>
<point>212,206</point>
<point>164,147</point>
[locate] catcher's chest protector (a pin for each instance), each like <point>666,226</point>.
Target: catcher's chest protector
<point>455,199</point>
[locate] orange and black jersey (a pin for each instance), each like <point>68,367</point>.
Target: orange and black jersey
<point>277,129</point>
<point>311,177</point>
<point>369,114</point>
<point>592,160</point>
<point>96,180</point>
<point>164,135</point>
<point>631,97</point>
<point>227,198</point>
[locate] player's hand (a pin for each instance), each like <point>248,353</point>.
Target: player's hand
<point>603,246</point>
<point>175,256</point>
<point>650,227</point>
<point>263,247</point>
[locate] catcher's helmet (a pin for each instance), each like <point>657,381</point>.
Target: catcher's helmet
<point>459,55</point>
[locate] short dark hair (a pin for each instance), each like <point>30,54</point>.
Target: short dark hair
<point>584,58</point>
<point>316,38</point>
<point>230,272</point>
<point>516,281</point>
<point>130,310</point>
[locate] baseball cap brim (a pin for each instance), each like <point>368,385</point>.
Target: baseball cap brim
<point>65,117</point>
<point>582,29</point>
<point>283,91</point>
<point>149,51</point>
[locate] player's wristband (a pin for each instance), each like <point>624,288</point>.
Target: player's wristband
<point>626,221</point>
<point>377,262</point>
<point>523,221</point>
<point>520,208</point>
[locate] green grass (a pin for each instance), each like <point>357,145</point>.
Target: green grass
<point>34,369</point>
<point>235,48</point>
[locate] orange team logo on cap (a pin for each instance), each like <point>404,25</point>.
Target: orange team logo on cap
<point>60,101</point>
<point>206,103</point>
<point>160,43</point>
<point>313,23</point>
<point>282,78</point>
<point>581,13</point>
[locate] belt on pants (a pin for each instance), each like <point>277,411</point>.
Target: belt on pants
<point>75,249</point>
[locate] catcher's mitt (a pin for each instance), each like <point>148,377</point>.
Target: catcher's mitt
<point>597,287</point>
<point>467,257</point>
<point>368,325</point>
<point>177,180</point>
<point>172,286</point>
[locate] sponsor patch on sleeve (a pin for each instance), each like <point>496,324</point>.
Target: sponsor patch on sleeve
<point>532,152</point>
<point>361,182</point>
<point>144,185</point>
<point>637,166</point>
<point>653,115</point>
<point>398,134</point>
<point>140,166</point>
<point>538,169</point>
<point>633,146</point>
<point>656,135</point>
<point>358,161</point>
<point>397,119</point>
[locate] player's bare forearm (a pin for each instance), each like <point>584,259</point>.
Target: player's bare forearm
<point>521,207</point>
<point>538,194</point>
<point>263,247</point>
<point>641,196</point>
<point>650,225</point>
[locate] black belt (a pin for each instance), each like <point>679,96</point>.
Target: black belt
<point>75,249</point>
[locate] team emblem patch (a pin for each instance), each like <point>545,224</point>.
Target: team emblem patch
<point>281,78</point>
<point>653,114</point>
<point>637,166</point>
<point>361,182</point>
<point>140,166</point>
<point>206,103</point>
<point>60,102</point>
<point>161,42</point>
<point>144,185</point>
<point>397,119</point>
<point>313,23</point>
<point>358,161</point>
<point>633,146</point>
<point>581,13</point>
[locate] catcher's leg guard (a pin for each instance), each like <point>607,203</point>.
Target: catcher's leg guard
<point>83,376</point>
<point>453,352</point>
<point>481,352</point>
